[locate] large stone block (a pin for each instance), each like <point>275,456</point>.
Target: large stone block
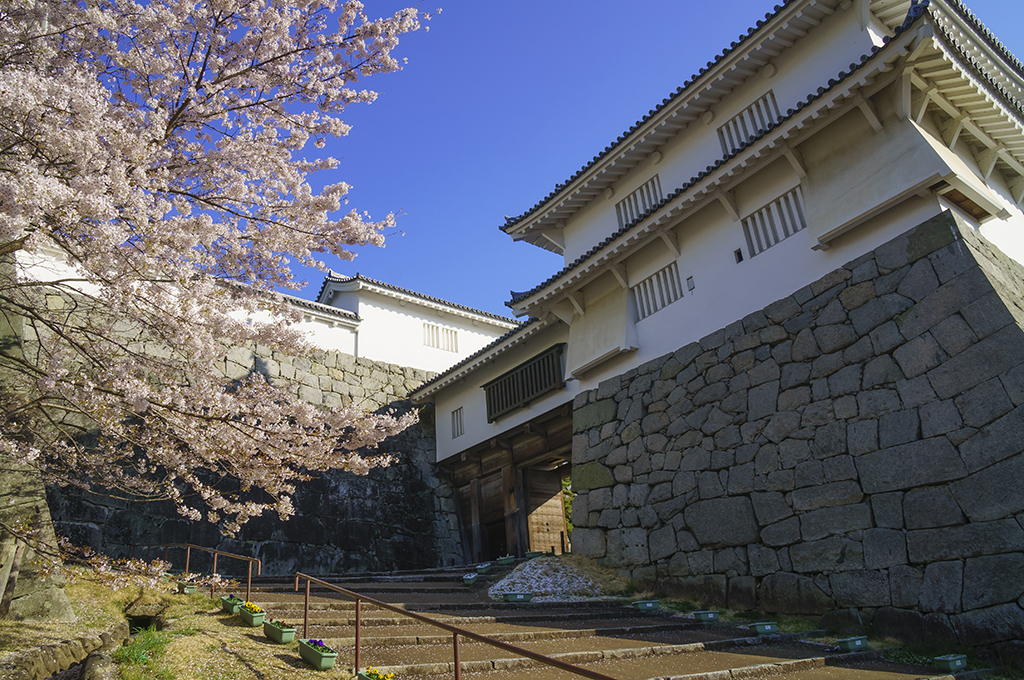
<point>826,495</point>
<point>591,475</point>
<point>925,546</point>
<point>593,415</point>
<point>662,543</point>
<point>995,442</point>
<point>742,594</point>
<point>589,542</point>
<point>905,586</point>
<point>707,590</point>
<point>920,463</point>
<point>827,555</point>
<point>860,588</point>
<point>785,593</point>
<point>722,521</point>
<point>993,580</point>
<point>993,493</point>
<point>931,507</point>
<point>884,548</point>
<point>627,548</point>
<point>943,583</point>
<point>899,623</point>
<point>988,358</point>
<point>834,521</point>
<point>986,626</point>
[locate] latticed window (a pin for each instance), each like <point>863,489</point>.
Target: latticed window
<point>524,383</point>
<point>744,126</point>
<point>440,337</point>
<point>657,291</point>
<point>639,202</point>
<point>775,222</point>
<point>458,429</point>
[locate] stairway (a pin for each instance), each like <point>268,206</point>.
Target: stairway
<point>608,637</point>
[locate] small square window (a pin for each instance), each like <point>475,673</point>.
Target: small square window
<point>738,254</point>
<point>690,285</point>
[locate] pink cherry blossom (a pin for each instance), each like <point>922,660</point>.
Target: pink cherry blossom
<point>155,159</point>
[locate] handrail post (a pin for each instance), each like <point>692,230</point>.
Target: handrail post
<point>248,583</point>
<point>305,614</point>
<point>214,572</point>
<point>188,557</point>
<point>458,662</point>
<point>359,608</point>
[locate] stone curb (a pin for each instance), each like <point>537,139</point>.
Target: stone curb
<point>41,662</point>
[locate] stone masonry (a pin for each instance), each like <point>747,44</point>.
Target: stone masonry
<point>400,517</point>
<point>856,446</point>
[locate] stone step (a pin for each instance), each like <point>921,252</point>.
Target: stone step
<point>664,662</point>
<point>661,634</point>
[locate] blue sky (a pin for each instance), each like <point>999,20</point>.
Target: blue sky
<point>502,100</point>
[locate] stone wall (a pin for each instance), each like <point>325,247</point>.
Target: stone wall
<point>855,445</point>
<point>400,517</point>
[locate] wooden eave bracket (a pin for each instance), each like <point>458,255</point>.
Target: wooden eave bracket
<point>576,298</point>
<point>923,102</point>
<point>793,156</point>
<point>669,241</point>
<point>1017,190</point>
<point>728,201</point>
<point>555,237</point>
<point>868,109</point>
<point>952,128</point>
<point>987,160</point>
<point>618,270</point>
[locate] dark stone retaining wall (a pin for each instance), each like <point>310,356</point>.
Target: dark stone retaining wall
<point>855,445</point>
<point>400,517</point>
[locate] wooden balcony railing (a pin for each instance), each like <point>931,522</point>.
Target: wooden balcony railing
<point>524,383</point>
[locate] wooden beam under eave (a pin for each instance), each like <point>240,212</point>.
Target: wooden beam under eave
<point>619,272</point>
<point>793,156</point>
<point>728,201</point>
<point>922,108</point>
<point>576,298</point>
<point>1017,190</point>
<point>951,130</point>
<point>556,239</point>
<point>868,109</point>
<point>669,241</point>
<point>987,161</point>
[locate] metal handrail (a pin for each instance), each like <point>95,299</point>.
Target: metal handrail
<point>454,630</point>
<point>188,557</point>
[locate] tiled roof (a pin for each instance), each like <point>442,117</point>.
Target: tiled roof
<point>608,150</point>
<point>957,5</point>
<point>476,355</point>
<point>912,18</point>
<point>986,35</point>
<point>318,307</point>
<point>333,278</point>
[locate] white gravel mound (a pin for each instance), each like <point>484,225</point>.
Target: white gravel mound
<point>550,580</point>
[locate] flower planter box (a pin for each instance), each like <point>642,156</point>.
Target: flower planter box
<point>281,636</point>
<point>320,660</point>
<point>505,560</point>
<point>470,579</point>
<point>533,553</point>
<point>231,605</point>
<point>483,568</point>
<point>951,663</point>
<point>706,615</point>
<point>251,618</point>
<point>765,627</point>
<point>518,597</point>
<point>647,604</point>
<point>853,644</point>
<point>186,588</point>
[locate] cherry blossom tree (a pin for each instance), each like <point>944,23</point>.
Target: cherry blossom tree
<point>154,185</point>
